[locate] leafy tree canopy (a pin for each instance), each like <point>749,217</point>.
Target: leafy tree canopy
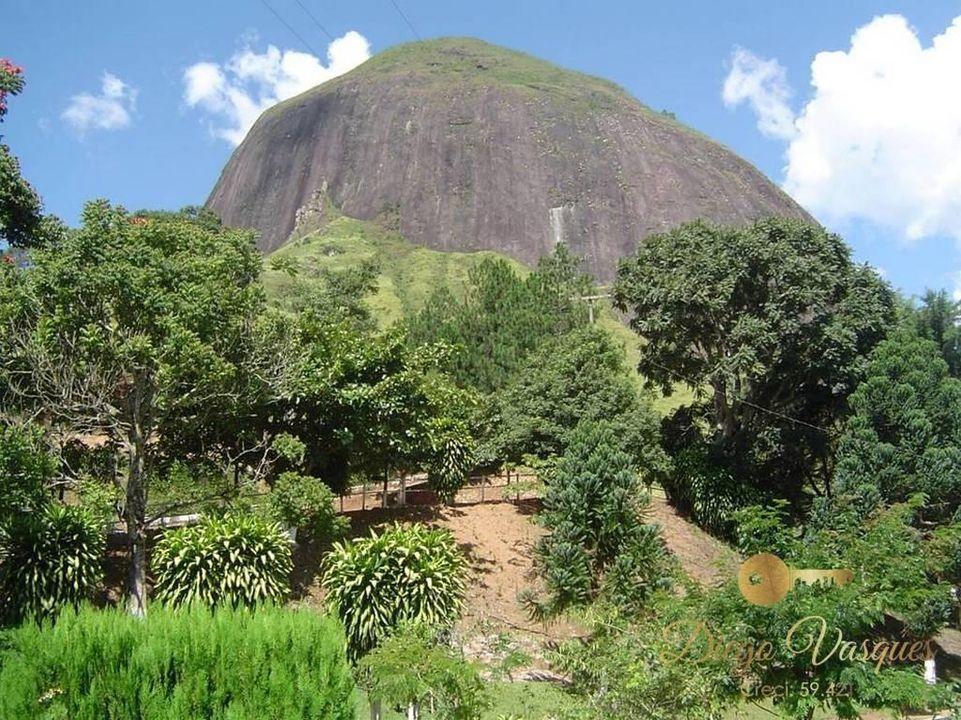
<point>579,376</point>
<point>772,320</point>
<point>125,328</point>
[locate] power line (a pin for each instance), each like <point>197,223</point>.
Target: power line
<point>316,21</point>
<point>406,20</point>
<point>292,31</point>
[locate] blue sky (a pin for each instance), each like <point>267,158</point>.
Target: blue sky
<point>155,149</point>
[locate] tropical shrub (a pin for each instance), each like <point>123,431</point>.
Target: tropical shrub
<point>48,559</point>
<point>306,503</point>
<point>703,488</point>
<point>234,560</point>
<point>178,665</point>
<point>405,574</point>
<point>593,509</point>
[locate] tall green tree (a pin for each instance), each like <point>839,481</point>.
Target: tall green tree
<point>122,329</point>
<point>937,319</point>
<point>772,322</point>
<point>904,436</point>
<point>597,539</point>
<point>503,317</point>
<point>581,375</point>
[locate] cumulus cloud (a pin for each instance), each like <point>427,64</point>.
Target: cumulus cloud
<point>108,110</point>
<point>880,137</point>
<point>763,85</point>
<point>236,92</point>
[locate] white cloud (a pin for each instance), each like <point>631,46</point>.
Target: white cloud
<point>239,90</point>
<point>880,137</point>
<point>108,110</point>
<point>763,84</point>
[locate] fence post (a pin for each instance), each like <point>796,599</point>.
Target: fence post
<point>386,480</point>
<point>402,494</point>
<point>363,496</point>
<point>483,483</point>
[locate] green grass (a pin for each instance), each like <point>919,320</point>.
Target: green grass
<point>408,274</point>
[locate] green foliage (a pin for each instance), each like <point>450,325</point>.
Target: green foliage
<point>888,558</point>
<point>22,223</point>
<point>763,529</point>
<point>410,667</point>
<point>26,470</point>
<point>405,574</point>
<point>49,558</point>
<point>621,675</point>
<point>937,320</point>
<point>235,560</point>
<point>771,316</point>
<point>362,402</point>
<point>904,436</point>
<point>597,540</point>
<point>227,665</point>
<point>701,485</point>
<point>503,317</point>
<point>578,376</point>
<point>147,323</point>
<point>306,503</point>
<point>364,271</point>
<point>452,457</point>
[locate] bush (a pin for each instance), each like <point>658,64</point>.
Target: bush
<point>593,510</point>
<point>306,503</point>
<point>178,665</point>
<point>411,574</point>
<point>48,559</point>
<point>706,491</point>
<point>232,560</point>
<point>26,467</point>
<point>409,668</point>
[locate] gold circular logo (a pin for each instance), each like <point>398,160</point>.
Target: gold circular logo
<point>764,579</point>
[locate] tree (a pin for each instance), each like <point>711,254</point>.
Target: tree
<point>937,320</point>
<point>22,223</point>
<point>888,558</point>
<point>578,376</point>
<point>125,327</point>
<point>597,541</point>
<point>904,436</point>
<point>410,668</point>
<point>405,574</point>
<point>367,402</point>
<point>773,321</point>
<point>503,317</point>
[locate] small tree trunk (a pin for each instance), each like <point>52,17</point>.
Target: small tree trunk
<point>386,479</point>
<point>413,710</point>
<point>375,710</point>
<point>135,508</point>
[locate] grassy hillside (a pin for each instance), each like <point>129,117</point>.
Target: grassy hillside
<point>407,275</point>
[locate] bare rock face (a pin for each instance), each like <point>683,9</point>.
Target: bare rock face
<point>469,146</point>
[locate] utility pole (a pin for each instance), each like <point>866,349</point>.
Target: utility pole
<point>590,300</point>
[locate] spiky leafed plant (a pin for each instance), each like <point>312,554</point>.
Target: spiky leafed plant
<point>48,559</point>
<point>404,574</point>
<point>235,560</point>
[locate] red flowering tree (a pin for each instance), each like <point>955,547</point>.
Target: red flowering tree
<point>22,222</point>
